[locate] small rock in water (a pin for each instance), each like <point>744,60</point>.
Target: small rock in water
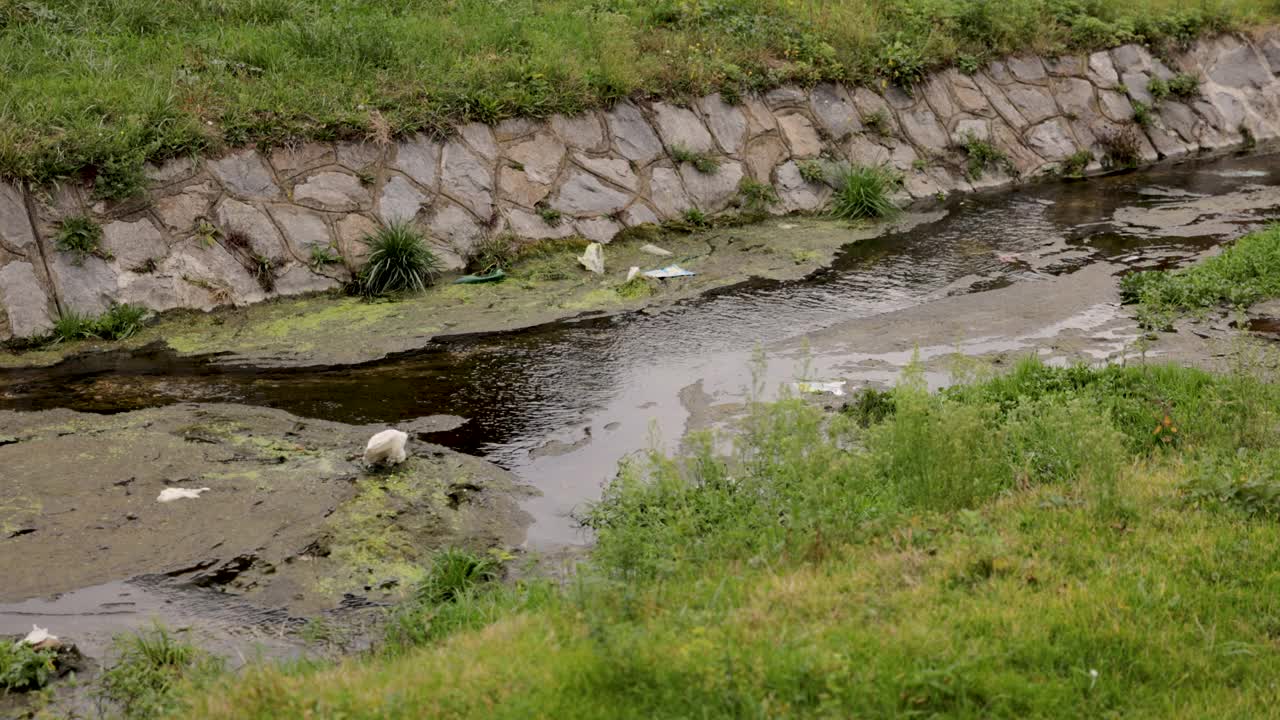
<point>593,258</point>
<point>173,493</point>
<point>386,448</point>
<point>654,250</point>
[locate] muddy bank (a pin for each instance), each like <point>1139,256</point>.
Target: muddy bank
<point>292,519</point>
<point>336,329</point>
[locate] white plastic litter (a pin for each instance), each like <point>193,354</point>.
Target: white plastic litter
<point>654,250</point>
<point>821,387</point>
<point>1007,257</point>
<point>386,448</point>
<point>175,493</point>
<point>632,273</point>
<point>669,271</point>
<point>593,258</point>
<point>38,635</point>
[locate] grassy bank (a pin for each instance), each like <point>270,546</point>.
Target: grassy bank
<point>98,86</point>
<point>1051,543</point>
<point>1245,273</point>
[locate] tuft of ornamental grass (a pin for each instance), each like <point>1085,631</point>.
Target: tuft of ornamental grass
<point>119,322</point>
<point>399,262</point>
<point>862,192</point>
<point>150,666</point>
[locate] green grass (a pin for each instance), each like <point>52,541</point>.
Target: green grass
<point>399,262</point>
<point>704,163</point>
<point>1018,546</point>
<point>119,322</point>
<point>24,668</point>
<point>863,192</point>
<point>95,87</point>
<point>1076,163</point>
<point>148,667</point>
<point>1245,273</point>
<point>982,156</point>
<point>80,237</point>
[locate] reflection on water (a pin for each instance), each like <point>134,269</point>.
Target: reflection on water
<point>520,389</point>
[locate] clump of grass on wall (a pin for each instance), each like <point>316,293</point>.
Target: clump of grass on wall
<point>862,192</point>
<point>399,262</point>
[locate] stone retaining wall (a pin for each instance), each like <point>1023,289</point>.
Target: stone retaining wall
<point>241,228</point>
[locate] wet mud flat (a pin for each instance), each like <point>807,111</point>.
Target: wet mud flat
<point>294,527</point>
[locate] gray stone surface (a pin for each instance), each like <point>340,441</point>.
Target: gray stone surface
<point>797,195</point>
<point>1102,72</point>
<point>1027,69</point>
<point>728,124</point>
<point>85,285</point>
<point>134,243</point>
<point>639,213</point>
<point>302,228</point>
<point>599,230</point>
<point>515,186</point>
<point>1116,106</point>
<point>834,110</point>
<point>1136,83</point>
<point>353,231</point>
<point>400,200</point>
<point>451,224</point>
<point>244,174</point>
<point>24,301</point>
<point>968,96</point>
<point>760,119</point>
<point>763,154</point>
<point>632,136</point>
<point>667,193</point>
<point>290,161</point>
<point>800,134</point>
<point>615,170</point>
<point>1240,67</point>
<point>1052,139</point>
<point>297,280</point>
<point>786,96</point>
<point>419,158</point>
<point>171,171</point>
<point>15,226</point>
<point>1032,101</point>
<point>334,191</point>
<point>1000,102</point>
<point>357,156</point>
<point>539,157</point>
<point>480,138</point>
<point>585,195</point>
<point>235,217</point>
<point>1131,58</point>
<point>530,225</point>
<point>466,178</point>
<point>681,128</point>
<point>583,132</point>
<point>938,97</point>
<point>713,192</point>
<point>180,212</point>
<point>921,126</point>
<point>1075,97</point>
<point>515,128</point>
<point>1066,66</point>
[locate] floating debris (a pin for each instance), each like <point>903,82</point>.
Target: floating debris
<point>632,273</point>
<point>654,250</point>
<point>593,258</point>
<point>38,635</point>
<point>386,448</point>
<point>669,271</point>
<point>821,387</point>
<point>174,493</point>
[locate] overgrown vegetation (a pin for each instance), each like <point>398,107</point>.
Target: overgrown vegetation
<point>149,666</point>
<point>705,163</point>
<point>1016,546</point>
<point>756,197</point>
<point>982,156</point>
<point>80,236</point>
<point>1245,273</point>
<point>24,668</point>
<point>1121,147</point>
<point>863,192</point>
<point>1076,163</point>
<point>493,252</point>
<point>323,256</point>
<point>97,88</point>
<point>399,262</point>
<point>878,123</point>
<point>119,322</point>
<point>1182,86</point>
